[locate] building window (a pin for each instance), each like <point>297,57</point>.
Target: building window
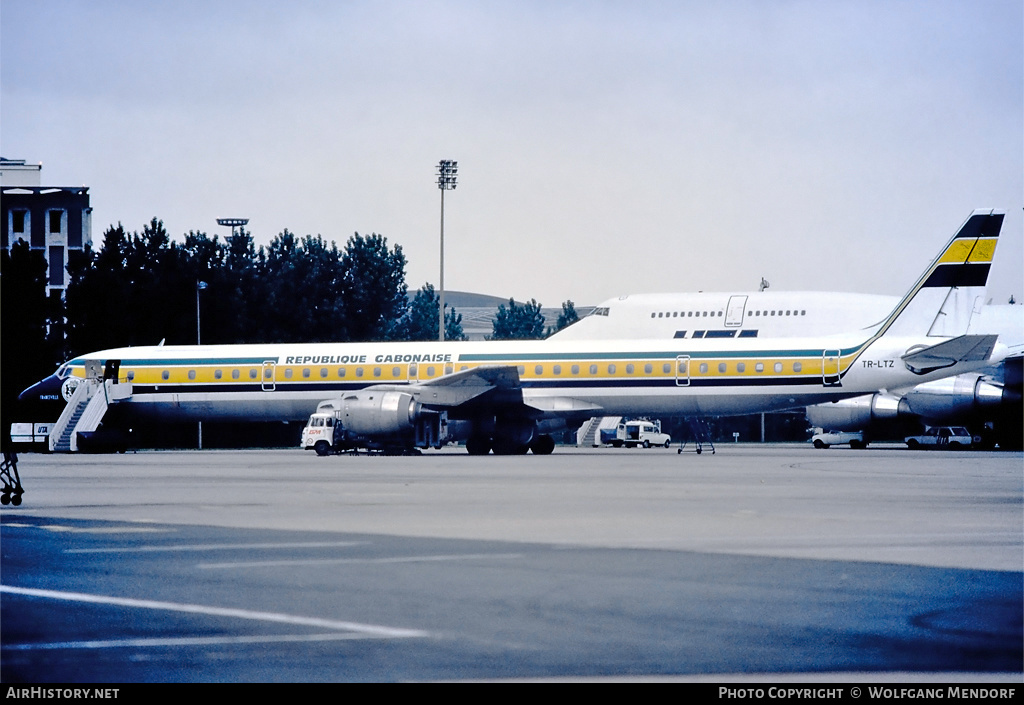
<point>18,221</point>
<point>55,220</point>
<point>56,266</point>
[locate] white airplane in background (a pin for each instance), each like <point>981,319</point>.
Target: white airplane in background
<point>791,313</point>
<point>509,396</point>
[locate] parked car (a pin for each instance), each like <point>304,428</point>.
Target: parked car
<point>943,437</point>
<point>824,439</point>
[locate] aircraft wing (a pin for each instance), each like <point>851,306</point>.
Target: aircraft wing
<point>965,348</point>
<point>497,386</point>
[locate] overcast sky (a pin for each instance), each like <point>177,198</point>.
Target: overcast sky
<point>604,147</point>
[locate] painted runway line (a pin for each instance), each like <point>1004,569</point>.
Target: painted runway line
<point>277,617</point>
<point>340,561</point>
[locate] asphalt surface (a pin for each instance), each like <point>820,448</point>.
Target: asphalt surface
<point>763,562</point>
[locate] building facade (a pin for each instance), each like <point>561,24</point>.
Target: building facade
<point>53,220</point>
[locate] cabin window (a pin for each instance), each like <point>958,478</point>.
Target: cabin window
<point>721,368</point>
<point>359,372</point>
<point>652,314</point>
<point>778,367</point>
<point>611,369</point>
<point>165,375</point>
<point>741,367</point>
<point>305,373</point>
<point>412,370</point>
<point>660,314</point>
<point>323,372</point>
<point>575,369</point>
<point>557,369</point>
<point>131,375</point>
<point>703,368</point>
<point>430,371</point>
<point>192,374</point>
<point>538,370</point>
<point>396,371</point>
<point>217,374</point>
<point>759,367</point>
<point>463,368</point>
<point>682,368</point>
<point>648,368</point>
<point>252,373</point>
<point>287,373</point>
<point>797,367</point>
<point>629,369</point>
<point>267,373</point>
<point>235,374</point>
<point>376,372</point>
<point>593,369</point>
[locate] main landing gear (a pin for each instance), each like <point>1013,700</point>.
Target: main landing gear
<point>482,445</point>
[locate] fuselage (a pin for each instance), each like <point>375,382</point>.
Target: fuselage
<point>695,376</point>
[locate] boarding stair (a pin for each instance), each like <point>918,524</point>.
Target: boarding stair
<point>588,435</point>
<point>85,411</point>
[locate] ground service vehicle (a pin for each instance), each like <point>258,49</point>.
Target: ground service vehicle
<point>824,439</point>
<point>943,437</point>
<point>640,433</point>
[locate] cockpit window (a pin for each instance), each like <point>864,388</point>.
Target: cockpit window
<point>64,371</point>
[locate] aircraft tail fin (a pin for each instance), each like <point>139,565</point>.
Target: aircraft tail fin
<point>943,299</point>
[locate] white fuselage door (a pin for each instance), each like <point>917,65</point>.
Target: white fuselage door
<point>268,375</point>
<point>830,368</point>
<point>734,311</point>
<point>683,371</point>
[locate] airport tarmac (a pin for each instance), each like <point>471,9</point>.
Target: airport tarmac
<point>759,561</point>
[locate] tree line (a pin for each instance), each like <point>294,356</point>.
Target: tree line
<point>144,288</point>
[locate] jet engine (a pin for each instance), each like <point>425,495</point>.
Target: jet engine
<point>955,397</point>
<point>858,413</point>
<point>379,413</point>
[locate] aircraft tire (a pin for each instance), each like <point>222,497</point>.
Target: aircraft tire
<point>542,445</point>
<point>478,445</point>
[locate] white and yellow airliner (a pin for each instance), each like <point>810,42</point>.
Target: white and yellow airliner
<point>508,396</point>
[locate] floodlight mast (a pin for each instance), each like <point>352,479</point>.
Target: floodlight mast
<point>447,170</point>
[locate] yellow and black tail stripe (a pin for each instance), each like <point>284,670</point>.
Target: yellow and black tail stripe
<point>968,257</point>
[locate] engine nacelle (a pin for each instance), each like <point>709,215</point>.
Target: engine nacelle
<point>858,413</point>
<point>376,413</point>
<point>954,397</point>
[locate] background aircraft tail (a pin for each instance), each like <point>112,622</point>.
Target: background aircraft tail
<point>943,299</point>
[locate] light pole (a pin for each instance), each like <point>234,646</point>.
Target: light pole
<point>446,172</point>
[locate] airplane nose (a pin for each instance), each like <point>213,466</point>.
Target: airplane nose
<point>48,388</point>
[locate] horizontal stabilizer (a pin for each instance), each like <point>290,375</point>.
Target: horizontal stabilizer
<point>966,348</point>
